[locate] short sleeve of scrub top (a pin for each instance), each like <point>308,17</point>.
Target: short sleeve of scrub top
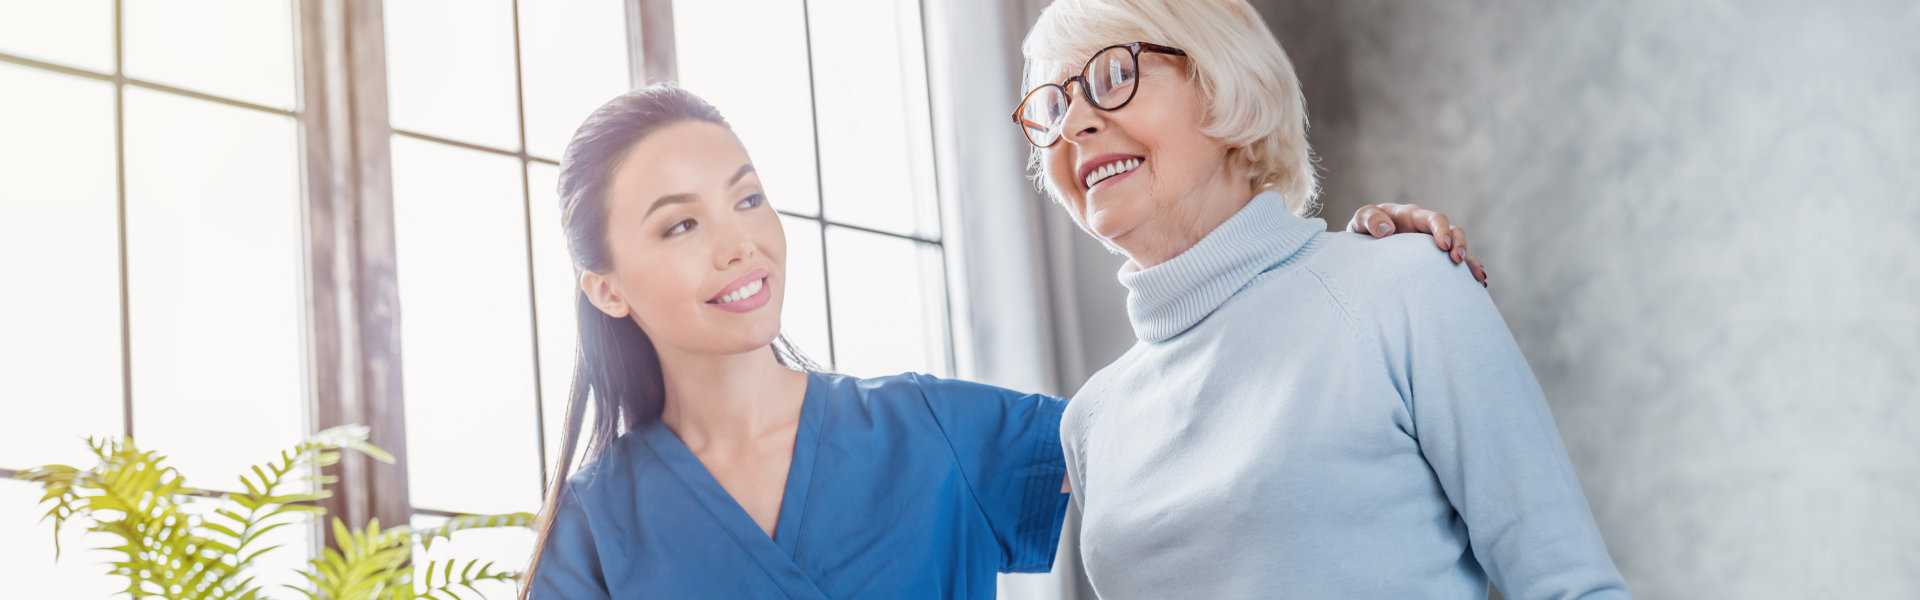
<point>569,568</point>
<point>1008,444</point>
<point>907,486</point>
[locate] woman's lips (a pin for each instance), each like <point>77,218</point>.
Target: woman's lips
<point>743,281</point>
<point>745,294</point>
<point>1105,183</point>
<point>749,303</point>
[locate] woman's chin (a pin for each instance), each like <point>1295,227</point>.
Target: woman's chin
<point>739,346</point>
<point>760,337</point>
<point>1109,224</point>
<point>738,338</point>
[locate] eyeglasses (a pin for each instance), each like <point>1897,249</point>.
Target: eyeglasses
<point>1107,82</point>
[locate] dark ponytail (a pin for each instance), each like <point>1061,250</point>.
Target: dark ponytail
<point>616,368</point>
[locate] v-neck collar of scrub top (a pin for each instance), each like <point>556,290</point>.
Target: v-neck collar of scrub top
<point>775,554</point>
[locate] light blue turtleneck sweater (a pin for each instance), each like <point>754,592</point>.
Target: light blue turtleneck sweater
<point>1323,415</point>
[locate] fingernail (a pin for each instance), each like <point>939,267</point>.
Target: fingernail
<point>1379,229</point>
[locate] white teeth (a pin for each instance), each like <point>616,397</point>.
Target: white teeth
<point>745,292</point>
<point>1111,169</point>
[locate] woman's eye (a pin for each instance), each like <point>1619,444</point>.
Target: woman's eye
<point>752,201</point>
<point>679,228</point>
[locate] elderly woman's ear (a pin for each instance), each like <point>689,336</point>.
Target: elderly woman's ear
<point>1385,219</point>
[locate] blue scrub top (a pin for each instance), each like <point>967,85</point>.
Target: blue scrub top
<point>908,486</point>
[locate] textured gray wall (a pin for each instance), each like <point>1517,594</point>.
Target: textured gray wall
<point>1702,225</point>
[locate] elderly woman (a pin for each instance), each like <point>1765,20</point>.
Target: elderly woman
<point>1305,414</point>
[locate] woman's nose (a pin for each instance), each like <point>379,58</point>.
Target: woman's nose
<point>1082,119</point>
<point>734,248</point>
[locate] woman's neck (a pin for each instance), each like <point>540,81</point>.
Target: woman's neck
<point>729,399</point>
<point>1180,224</point>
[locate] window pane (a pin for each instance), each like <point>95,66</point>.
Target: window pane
<point>573,59</point>
<point>214,268</point>
<point>26,551</point>
<point>59,257</point>
<point>450,70</point>
<point>508,549</point>
<point>465,325</point>
<point>804,317</point>
<point>749,58</point>
<point>555,294</point>
<point>241,49</point>
<point>876,149</point>
<point>76,33</point>
<point>889,304</point>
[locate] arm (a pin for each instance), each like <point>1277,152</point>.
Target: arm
<point>1484,427</point>
<point>1382,220</point>
<point>1007,445</point>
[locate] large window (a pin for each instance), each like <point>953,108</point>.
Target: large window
<point>165,166</point>
<point>150,249</point>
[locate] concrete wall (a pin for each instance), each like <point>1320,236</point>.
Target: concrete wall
<point>1702,225</point>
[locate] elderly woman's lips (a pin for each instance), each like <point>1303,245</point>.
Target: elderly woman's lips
<point>1113,171</point>
<point>1088,167</point>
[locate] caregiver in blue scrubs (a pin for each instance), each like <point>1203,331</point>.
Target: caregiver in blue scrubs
<point>720,463</point>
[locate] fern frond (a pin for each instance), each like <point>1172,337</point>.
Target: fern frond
<point>56,481</point>
<point>173,541</point>
<point>474,572</point>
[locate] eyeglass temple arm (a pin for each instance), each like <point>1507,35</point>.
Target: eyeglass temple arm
<point>1152,47</point>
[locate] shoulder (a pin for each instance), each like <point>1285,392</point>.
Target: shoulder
<point>916,387</point>
<point>959,403</point>
<point>901,399</point>
<point>885,393</point>
<point>941,388</point>
<point>622,458</point>
<point>1365,273</point>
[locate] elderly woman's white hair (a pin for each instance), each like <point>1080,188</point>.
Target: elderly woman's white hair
<point>1254,100</point>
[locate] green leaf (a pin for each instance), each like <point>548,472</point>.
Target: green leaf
<point>142,503</point>
<point>256,554</point>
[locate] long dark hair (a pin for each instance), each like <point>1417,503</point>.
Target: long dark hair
<point>616,368</point>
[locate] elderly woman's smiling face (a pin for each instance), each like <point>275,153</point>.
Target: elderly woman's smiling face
<point>1182,182</point>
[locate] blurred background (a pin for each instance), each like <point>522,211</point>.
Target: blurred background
<point>225,224</point>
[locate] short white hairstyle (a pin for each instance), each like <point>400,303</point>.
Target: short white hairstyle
<point>1253,97</point>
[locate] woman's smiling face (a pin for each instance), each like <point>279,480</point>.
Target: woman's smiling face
<point>1159,133</point>
<point>698,255</point>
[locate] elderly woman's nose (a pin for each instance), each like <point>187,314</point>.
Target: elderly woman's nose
<point>1082,119</point>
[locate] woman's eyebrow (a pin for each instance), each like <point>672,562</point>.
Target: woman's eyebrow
<point>681,198</point>
<point>686,197</point>
<point>744,170</point>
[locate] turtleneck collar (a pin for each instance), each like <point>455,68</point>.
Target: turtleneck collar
<point>1169,298</point>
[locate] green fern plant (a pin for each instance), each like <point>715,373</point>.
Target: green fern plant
<point>165,548</point>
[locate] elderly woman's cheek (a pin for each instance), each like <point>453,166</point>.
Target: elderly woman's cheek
<point>1060,170</point>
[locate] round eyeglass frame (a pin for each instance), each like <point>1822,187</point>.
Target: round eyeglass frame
<point>1133,51</point>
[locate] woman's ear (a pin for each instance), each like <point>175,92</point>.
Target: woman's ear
<point>600,291</point>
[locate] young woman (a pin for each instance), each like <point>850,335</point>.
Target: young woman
<point>720,463</point>
<point>1305,414</point>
